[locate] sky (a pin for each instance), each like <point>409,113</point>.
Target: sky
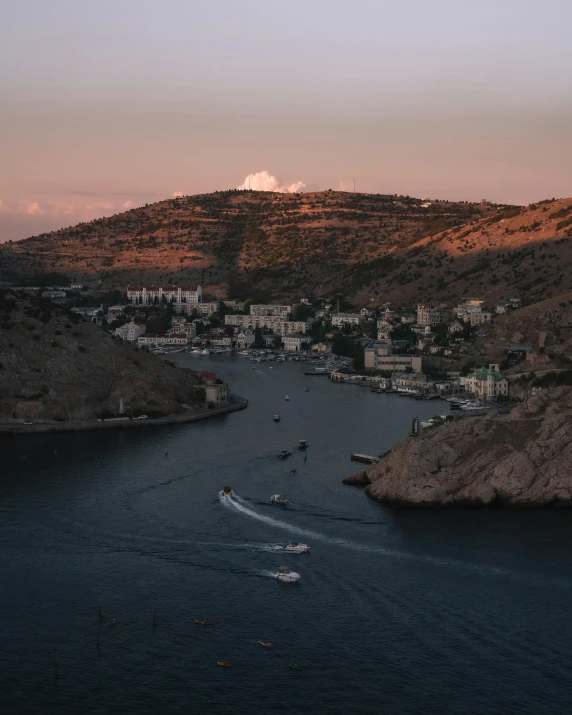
<point>110,104</point>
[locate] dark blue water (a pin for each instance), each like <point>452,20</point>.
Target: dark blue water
<point>397,611</point>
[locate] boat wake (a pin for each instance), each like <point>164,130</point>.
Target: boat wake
<point>237,503</point>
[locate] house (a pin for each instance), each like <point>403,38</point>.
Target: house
<point>431,314</point>
<point>480,318</point>
<point>486,383</point>
<point>217,394</point>
<point>169,339</point>
<point>295,343</point>
<point>244,340</point>
<point>502,308</point>
<point>207,309</point>
<point>322,348</point>
<point>456,327</point>
<point>131,331</point>
<point>116,311</point>
<point>181,326</point>
<point>221,342</point>
<point>410,381</point>
<point>408,319</point>
<point>366,312</point>
<point>339,319</point>
<point>147,295</point>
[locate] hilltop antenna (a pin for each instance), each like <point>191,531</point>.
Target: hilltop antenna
<point>354,186</point>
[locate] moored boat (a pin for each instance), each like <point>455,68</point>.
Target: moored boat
<point>223,663</point>
<point>278,499</point>
<point>276,418</point>
<point>286,398</point>
<point>265,645</point>
<point>302,444</point>
<point>201,622</point>
<point>283,453</point>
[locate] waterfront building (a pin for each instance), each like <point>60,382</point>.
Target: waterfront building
<point>170,339</point>
<point>281,310</point>
<point>379,356</point>
<point>207,309</point>
<point>216,393</point>
<point>131,331</point>
<point>486,383</point>
<point>245,340</point>
<point>147,295</point>
<point>295,343</point>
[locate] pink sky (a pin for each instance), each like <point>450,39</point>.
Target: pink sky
<point>105,106</point>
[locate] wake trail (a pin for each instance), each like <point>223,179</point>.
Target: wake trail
<point>236,502</point>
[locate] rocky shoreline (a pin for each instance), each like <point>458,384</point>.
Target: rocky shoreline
<point>523,459</point>
<point>237,403</point>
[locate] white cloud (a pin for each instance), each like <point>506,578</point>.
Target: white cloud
<point>178,194</point>
<point>98,205</point>
<point>263,181</point>
<point>127,205</point>
<point>32,208</point>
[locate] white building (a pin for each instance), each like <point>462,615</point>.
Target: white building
<point>169,339</point>
<point>295,343</point>
<point>281,310</point>
<point>379,356</point>
<point>431,314</point>
<point>131,331</point>
<point>339,319</point>
<point>456,327</point>
<point>115,311</point>
<point>480,318</point>
<point>244,340</point>
<point>217,394</point>
<point>207,309</point>
<point>147,295</point>
<point>486,383</point>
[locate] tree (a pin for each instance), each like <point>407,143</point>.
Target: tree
<point>277,341</point>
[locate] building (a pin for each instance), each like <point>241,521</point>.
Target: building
<point>486,383</point>
<point>115,311</point>
<point>456,327</point>
<point>273,322</point>
<point>169,339</point>
<point>322,348</point>
<point>244,340</point>
<point>339,319</point>
<point>379,356</point>
<point>431,314</point>
<point>207,309</point>
<point>480,318</point>
<point>217,394</point>
<point>147,295</point>
<point>410,381</point>
<point>295,343</point>
<point>281,310</point>
<point>131,331</point>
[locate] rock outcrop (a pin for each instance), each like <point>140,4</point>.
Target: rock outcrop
<point>516,460</point>
<point>56,367</point>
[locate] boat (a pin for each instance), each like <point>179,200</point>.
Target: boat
<point>223,663</point>
<point>295,547</point>
<point>286,576</point>
<point>283,453</point>
<point>302,444</point>
<point>306,389</point>
<point>276,418</point>
<point>286,398</point>
<point>295,666</point>
<point>111,623</point>
<point>203,623</point>
<point>265,645</point>
<point>278,499</point>
<point>227,492</point>
<point>204,352</point>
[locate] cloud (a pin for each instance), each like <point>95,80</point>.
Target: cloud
<point>98,205</point>
<point>127,205</point>
<point>178,194</point>
<point>263,181</point>
<point>345,186</point>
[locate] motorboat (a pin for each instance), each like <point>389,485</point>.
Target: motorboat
<point>227,492</point>
<point>204,352</point>
<point>295,666</point>
<point>286,576</point>
<point>276,418</point>
<point>278,499</point>
<point>302,444</point>
<point>284,453</point>
<point>295,547</point>
<point>286,398</point>
<point>223,663</point>
<point>203,623</point>
<point>265,645</point>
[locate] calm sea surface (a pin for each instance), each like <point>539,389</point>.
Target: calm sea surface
<point>397,611</point>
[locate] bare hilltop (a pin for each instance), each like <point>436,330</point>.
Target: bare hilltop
<point>270,246</point>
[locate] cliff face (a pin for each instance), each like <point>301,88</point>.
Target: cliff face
<point>521,459</point>
<point>54,366</point>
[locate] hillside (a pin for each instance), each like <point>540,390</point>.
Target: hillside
<point>516,460</point>
<point>270,245</point>
<point>54,367</point>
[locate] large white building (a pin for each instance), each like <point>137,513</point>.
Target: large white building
<point>131,331</point>
<point>339,319</point>
<point>295,343</point>
<point>147,295</point>
<point>169,339</point>
<point>486,383</point>
<point>283,310</point>
<point>272,322</point>
<point>431,314</point>
<point>379,356</point>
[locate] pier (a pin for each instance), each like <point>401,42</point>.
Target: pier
<point>365,458</point>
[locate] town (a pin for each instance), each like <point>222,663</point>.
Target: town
<point>425,350</point>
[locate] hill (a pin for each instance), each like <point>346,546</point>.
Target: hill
<point>269,245</point>
<point>55,368</point>
<point>520,459</point>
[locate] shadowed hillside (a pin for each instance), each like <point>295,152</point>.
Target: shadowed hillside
<point>270,245</point>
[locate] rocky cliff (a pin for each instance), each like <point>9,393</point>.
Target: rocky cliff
<point>516,460</point>
<point>56,367</point>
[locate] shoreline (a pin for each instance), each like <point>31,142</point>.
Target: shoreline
<point>236,403</point>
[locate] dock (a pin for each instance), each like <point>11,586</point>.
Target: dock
<point>365,458</point>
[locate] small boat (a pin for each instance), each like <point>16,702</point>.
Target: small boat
<point>265,645</point>
<point>227,492</point>
<point>295,666</point>
<point>204,623</point>
<point>306,389</point>
<point>223,663</point>
<point>111,623</point>
<point>278,499</point>
<point>276,418</point>
<point>286,576</point>
<point>302,444</point>
<point>204,352</point>
<point>295,547</point>
<point>286,398</point>
<point>283,453</point>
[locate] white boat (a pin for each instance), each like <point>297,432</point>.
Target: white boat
<point>286,398</point>
<point>204,352</point>
<point>295,547</point>
<point>284,574</point>
<point>278,499</point>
